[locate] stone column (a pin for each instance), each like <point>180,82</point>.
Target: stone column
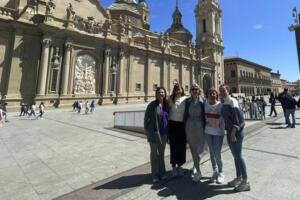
<point>43,67</point>
<point>181,73</point>
<point>121,71</point>
<point>107,54</point>
<point>147,78</point>
<point>164,73</point>
<point>130,83</point>
<point>66,69</point>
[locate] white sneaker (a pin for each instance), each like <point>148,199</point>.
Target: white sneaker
<point>197,177</point>
<point>214,177</point>
<point>242,187</point>
<point>220,178</point>
<point>235,182</point>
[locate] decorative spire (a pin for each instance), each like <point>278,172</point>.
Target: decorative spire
<point>176,3</point>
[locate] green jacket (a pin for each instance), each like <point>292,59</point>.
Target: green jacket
<point>151,122</point>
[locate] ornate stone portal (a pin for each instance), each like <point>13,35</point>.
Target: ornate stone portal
<point>85,75</point>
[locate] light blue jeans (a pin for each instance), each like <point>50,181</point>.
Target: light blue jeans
<point>236,150</point>
<point>289,112</point>
<point>215,146</point>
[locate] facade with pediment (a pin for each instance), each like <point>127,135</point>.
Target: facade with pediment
<point>61,51</point>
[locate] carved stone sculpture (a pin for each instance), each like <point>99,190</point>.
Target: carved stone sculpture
<point>70,12</point>
<point>84,79</point>
<point>89,25</point>
<point>56,57</point>
<point>50,6</point>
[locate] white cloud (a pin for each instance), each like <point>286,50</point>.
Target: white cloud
<point>258,26</point>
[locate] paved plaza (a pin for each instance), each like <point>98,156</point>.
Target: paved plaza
<point>72,156</point>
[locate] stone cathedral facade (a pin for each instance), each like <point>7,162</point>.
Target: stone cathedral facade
<point>59,51</point>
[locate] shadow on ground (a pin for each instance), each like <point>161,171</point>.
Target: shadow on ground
<point>126,182</point>
<point>184,188</point>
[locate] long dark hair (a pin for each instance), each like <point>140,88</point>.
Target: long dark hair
<point>157,90</point>
<point>176,87</point>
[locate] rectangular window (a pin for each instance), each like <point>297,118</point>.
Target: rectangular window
<point>155,87</point>
<point>204,25</point>
<point>138,87</point>
<point>232,74</point>
<point>186,88</point>
<point>54,80</point>
<point>112,82</point>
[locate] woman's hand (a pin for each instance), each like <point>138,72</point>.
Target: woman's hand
<point>233,137</point>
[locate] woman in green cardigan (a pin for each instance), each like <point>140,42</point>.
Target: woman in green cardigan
<point>156,129</point>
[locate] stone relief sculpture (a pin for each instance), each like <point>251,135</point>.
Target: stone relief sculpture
<point>50,6</point>
<point>70,12</point>
<point>89,25</point>
<point>56,57</point>
<point>85,80</point>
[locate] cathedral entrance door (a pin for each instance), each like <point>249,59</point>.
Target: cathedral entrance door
<point>207,83</point>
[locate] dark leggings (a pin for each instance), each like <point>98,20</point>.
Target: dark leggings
<point>177,138</point>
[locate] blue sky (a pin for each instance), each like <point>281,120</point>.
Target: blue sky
<point>256,30</point>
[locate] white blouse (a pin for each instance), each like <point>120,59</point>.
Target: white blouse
<point>176,112</point>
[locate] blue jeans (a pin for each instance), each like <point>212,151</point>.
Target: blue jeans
<point>215,143</point>
<point>289,112</point>
<point>236,150</point>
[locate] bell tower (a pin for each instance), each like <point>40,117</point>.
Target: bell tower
<point>209,36</point>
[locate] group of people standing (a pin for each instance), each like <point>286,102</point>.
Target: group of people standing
<point>195,121</point>
<point>77,106</point>
<point>289,105</point>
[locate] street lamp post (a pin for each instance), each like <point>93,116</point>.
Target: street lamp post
<point>296,27</point>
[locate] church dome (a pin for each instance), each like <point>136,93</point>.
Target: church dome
<point>143,3</point>
<point>177,29</point>
<point>131,1</point>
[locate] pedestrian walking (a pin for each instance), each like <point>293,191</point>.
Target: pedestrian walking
<point>194,127</point>
<point>177,136</point>
<point>4,111</point>
<point>235,127</point>
<point>92,110</point>
<point>272,101</point>
<point>214,134</point>
<point>282,99</point>
<point>79,107</point>
<point>156,129</point>
<point>26,108</point>
<point>75,105</point>
<point>262,106</point>
<point>1,115</point>
<point>290,106</point>
<point>87,107</point>
<point>42,110</point>
<point>22,108</point>
<point>32,110</point>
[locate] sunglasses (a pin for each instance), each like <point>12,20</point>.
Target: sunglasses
<point>194,89</point>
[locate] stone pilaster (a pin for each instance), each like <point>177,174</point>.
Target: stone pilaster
<point>130,80</point>
<point>105,78</point>
<point>120,73</point>
<point>44,66</point>
<point>147,77</point>
<point>66,69</point>
<point>164,73</point>
<point>181,73</point>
